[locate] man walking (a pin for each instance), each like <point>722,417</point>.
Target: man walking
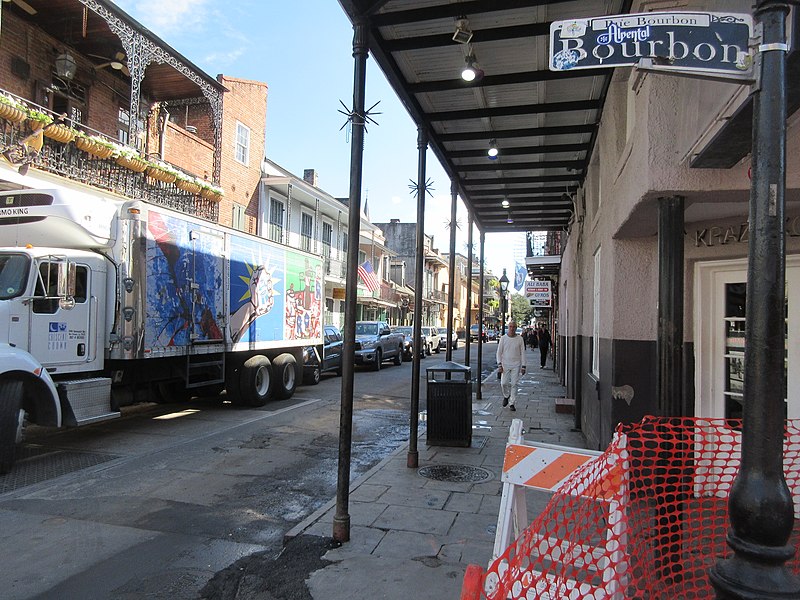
<point>544,343</point>
<point>511,364</point>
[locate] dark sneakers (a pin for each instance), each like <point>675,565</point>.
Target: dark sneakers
<point>505,401</point>
<point>513,408</point>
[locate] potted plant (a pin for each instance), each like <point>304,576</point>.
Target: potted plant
<point>130,159</point>
<point>60,132</point>
<point>37,119</point>
<point>161,171</point>
<point>11,109</point>
<point>211,192</point>
<point>187,183</point>
<point>96,145</point>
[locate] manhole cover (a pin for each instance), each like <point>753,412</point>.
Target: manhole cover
<point>456,473</point>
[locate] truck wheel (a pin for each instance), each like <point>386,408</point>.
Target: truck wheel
<point>285,370</point>
<point>10,421</point>
<point>255,381</point>
<point>378,360</point>
<point>313,377</point>
<point>398,358</point>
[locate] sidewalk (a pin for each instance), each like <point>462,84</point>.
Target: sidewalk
<point>413,536</point>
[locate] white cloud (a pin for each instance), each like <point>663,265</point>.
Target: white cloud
<point>168,16</point>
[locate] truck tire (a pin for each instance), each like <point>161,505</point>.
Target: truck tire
<point>255,381</point>
<point>398,358</point>
<point>378,360</point>
<point>10,421</point>
<point>284,369</point>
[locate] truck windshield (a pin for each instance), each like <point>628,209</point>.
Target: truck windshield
<point>366,329</point>
<point>13,275</point>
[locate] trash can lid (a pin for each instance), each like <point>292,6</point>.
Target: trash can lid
<point>449,366</point>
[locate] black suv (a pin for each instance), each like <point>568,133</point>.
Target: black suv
<point>328,357</point>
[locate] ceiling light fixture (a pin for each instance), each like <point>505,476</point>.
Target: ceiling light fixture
<point>505,204</point>
<point>463,34</point>
<point>510,219</point>
<point>471,72</point>
<point>493,151</point>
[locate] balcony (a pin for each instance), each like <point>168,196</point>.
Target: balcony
<point>335,269</point>
<point>66,160</point>
<point>437,296</point>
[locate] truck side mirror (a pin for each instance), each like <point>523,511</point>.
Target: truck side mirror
<point>65,286</point>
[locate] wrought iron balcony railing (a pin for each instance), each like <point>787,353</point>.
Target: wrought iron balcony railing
<point>66,160</point>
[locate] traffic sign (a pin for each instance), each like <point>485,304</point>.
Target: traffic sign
<point>683,41</point>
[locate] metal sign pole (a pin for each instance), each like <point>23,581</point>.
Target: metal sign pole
<point>760,504</point>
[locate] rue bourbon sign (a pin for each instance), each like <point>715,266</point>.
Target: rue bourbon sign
<point>690,41</point>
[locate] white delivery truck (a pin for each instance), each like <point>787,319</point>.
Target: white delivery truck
<point>106,302</point>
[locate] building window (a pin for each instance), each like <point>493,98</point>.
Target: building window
<point>276,214</point>
<point>306,231</point>
<point>596,317</point>
<point>242,146</point>
<point>344,243</point>
<point>238,220</point>
<point>327,239</point>
<point>123,125</point>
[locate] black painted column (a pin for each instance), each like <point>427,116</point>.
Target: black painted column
<point>452,272</point>
<point>412,461</point>
<point>760,505</point>
<point>470,255</point>
<point>670,306</point>
<point>341,520</point>
<point>479,393</point>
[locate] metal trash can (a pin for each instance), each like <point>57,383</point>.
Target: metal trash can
<point>449,405</point>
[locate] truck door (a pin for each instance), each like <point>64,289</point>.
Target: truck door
<point>62,336</point>
<point>207,298</point>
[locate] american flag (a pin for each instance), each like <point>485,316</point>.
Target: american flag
<point>368,277</point>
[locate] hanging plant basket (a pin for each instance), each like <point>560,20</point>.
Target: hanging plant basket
<point>187,186</point>
<point>210,194</point>
<point>134,164</point>
<point>11,113</point>
<point>160,174</point>
<point>93,148</point>
<point>35,124</point>
<point>59,133</point>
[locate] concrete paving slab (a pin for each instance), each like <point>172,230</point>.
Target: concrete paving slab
<point>406,544</point>
<point>421,520</point>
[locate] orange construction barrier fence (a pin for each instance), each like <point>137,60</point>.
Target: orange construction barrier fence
<point>645,519</point>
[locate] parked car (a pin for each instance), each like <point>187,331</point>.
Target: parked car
<point>431,337</point>
<point>493,334</point>
<point>443,340</point>
<point>376,342</point>
<point>327,357</point>
<point>408,342</point>
<point>473,333</point>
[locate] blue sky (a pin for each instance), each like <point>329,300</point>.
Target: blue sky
<point>303,51</point>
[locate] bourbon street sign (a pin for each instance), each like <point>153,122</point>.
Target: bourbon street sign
<point>679,40</point>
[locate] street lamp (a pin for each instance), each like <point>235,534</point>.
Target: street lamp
<point>503,292</point>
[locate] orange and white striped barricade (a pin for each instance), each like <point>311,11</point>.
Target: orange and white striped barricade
<point>546,467</point>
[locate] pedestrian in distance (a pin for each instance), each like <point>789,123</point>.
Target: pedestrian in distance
<point>544,343</point>
<point>533,338</point>
<point>510,364</point>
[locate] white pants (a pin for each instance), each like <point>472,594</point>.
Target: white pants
<point>508,383</point>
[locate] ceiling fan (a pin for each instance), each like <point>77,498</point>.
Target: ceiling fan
<point>119,62</point>
<point>24,6</point>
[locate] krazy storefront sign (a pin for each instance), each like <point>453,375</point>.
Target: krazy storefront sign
<point>677,40</point>
<point>538,292</point>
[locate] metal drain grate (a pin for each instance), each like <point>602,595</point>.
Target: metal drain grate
<point>456,473</point>
<point>35,464</point>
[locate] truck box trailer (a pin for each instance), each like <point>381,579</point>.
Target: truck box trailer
<point>106,302</point>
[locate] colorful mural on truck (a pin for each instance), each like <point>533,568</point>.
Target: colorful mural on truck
<point>174,312</point>
<point>276,294</point>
